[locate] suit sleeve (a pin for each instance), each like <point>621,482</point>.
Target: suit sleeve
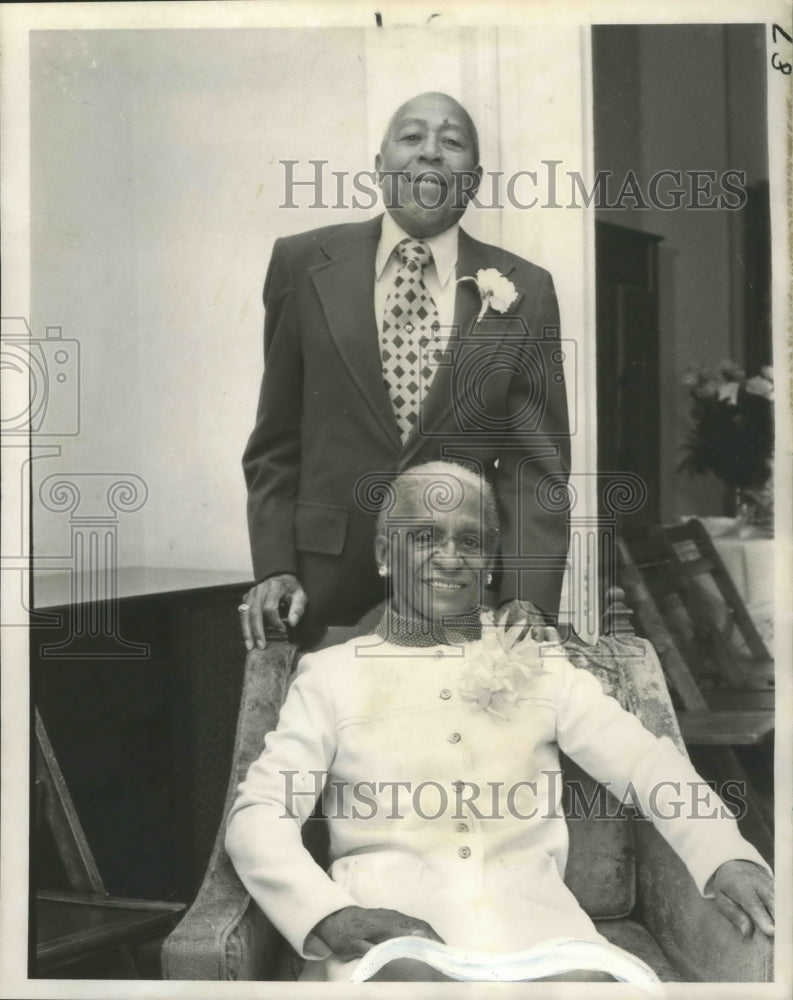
<point>614,747</point>
<point>537,453</point>
<point>263,837</point>
<point>272,457</point>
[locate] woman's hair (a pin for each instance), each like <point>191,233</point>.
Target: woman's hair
<point>438,485</point>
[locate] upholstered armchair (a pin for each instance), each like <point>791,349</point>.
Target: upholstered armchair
<point>621,870</point>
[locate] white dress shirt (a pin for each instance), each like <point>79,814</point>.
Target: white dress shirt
<point>439,276</point>
<point>373,713</point>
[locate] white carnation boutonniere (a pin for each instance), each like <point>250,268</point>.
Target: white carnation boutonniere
<point>497,675</point>
<point>495,291</point>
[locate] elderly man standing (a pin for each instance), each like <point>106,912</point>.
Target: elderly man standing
<point>395,341</point>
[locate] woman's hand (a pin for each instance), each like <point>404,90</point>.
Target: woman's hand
<point>744,893</point>
<point>351,932</point>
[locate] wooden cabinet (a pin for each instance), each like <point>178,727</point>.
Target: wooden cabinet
<point>628,378</point>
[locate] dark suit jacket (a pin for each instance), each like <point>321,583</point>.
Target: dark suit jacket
<point>325,426</point>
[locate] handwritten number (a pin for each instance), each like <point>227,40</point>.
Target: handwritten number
<point>775,28</point>
<point>776,59</point>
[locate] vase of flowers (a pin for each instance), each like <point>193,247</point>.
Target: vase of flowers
<point>732,436</point>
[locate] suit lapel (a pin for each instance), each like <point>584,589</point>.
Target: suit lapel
<point>439,401</point>
<point>345,285</point>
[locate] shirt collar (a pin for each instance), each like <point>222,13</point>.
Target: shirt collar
<point>443,247</point>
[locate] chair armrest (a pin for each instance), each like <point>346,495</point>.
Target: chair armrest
<point>727,728</point>
<point>701,943</point>
<point>224,935</point>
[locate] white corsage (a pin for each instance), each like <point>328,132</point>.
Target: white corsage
<point>496,291</point>
<point>497,675</point>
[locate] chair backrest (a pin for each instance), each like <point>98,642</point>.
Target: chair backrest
<point>688,606</point>
<point>694,562</point>
<point>54,803</point>
<point>656,628</point>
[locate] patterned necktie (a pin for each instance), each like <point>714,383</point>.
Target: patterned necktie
<point>409,321</point>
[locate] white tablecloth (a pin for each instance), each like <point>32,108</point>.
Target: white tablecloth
<point>750,563</point>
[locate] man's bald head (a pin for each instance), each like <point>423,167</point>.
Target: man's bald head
<point>428,164</point>
<point>441,101</point>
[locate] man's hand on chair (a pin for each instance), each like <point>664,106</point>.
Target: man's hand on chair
<point>260,607</point>
<point>517,612</point>
<point>351,932</point>
<point>744,894</point>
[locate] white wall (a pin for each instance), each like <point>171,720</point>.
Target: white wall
<point>155,194</point>
<point>546,113</point>
<point>84,253</point>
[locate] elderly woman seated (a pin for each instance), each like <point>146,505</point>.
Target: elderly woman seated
<point>435,745</point>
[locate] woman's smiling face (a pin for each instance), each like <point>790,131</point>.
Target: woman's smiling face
<point>438,549</point>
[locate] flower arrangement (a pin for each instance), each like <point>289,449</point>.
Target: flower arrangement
<point>495,290</point>
<point>732,425</point>
<point>496,676</point>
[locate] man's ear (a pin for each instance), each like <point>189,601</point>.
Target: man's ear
<point>378,162</point>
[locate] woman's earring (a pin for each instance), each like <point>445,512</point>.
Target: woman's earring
<point>382,570</point>
<point>489,579</point>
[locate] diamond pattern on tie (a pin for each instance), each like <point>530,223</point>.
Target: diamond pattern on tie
<point>409,321</point>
